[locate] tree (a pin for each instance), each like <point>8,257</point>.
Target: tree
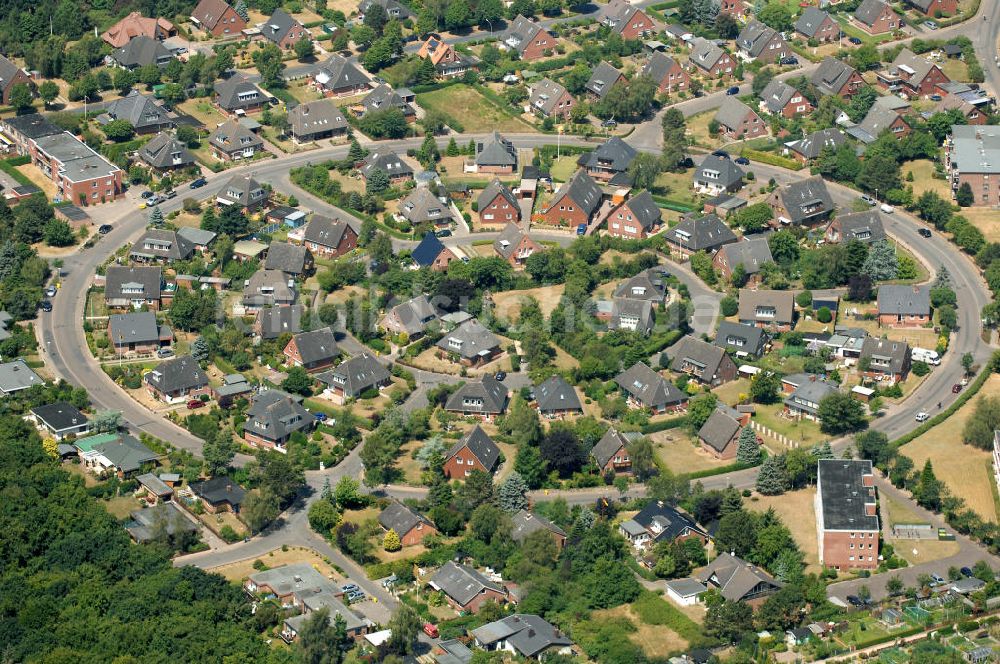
<point>219,451</point>
<point>772,480</point>
<point>511,495</point>
<point>967,361</point>
<point>881,264</point>
<point>405,625</point>
<point>777,16</point>
<point>304,48</point>
<point>48,91</point>
<point>119,130</point>
<point>644,169</point>
<point>729,621</point>
<point>748,450</point>
<point>270,64</point>
<point>765,387</point>
<point>199,349</point>
<point>59,234</point>
<point>156,216</point>
<point>643,458</point>
<point>278,475</point>
<point>985,419</point>
<point>322,641</point>
<point>391,541</point>
<point>839,413</point>
<point>347,494</point>
<point>384,123</point>
<point>894,585</point>
<point>737,533</point>
<point>561,450</point>
<point>259,509</point>
<point>928,490</point>
<point>21,98</point>
<point>530,466</point>
<point>241,10</point>
<point>700,409</point>
<point>964,196</point>
<point>522,423</point>
<point>377,182</point>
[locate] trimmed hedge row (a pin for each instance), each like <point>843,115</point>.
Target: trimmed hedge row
<point>772,159</point>
<point>967,394</point>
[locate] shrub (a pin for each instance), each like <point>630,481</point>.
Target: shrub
<point>824,315</point>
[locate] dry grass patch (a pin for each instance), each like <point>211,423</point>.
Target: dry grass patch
<point>729,393</point>
<point>985,219</point>
<point>924,180</point>
<point>655,640</point>
<point>475,112</point>
<point>921,337</point>
<point>508,303</point>
<point>680,452</point>
<point>797,512</point>
<point>241,570</point>
<point>203,111</point>
<point>34,174</point>
<point>954,69</point>
<point>924,551</point>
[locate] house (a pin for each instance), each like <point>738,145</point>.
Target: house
<point>758,42</point>
<point>836,77</point>
<point>738,9</point>
<point>632,315</point>
<point>770,309</point>
<point>550,99</point>
<point>137,333</point>
<point>805,399</point>
<point>316,120</point>
<point>750,254</point>
<point>968,585</point>
<point>465,588</point>
<point>706,363</point>
<point>525,635</point>
<point>142,51</point>
<point>390,164</point>
<point>283,30</point>
<point>177,379</point>
<point>238,93</point>
<point>876,17</point>
<point>157,244</point>
<point>913,75</point>
<point>219,18</point>
<point>132,286</point>
<point>574,203</point>
<point>880,119</point>
<point>423,207</point>
<point>476,451</point>
<point>383,98</point>
<point>802,202</point>
<point>610,161</point>
<point>746,340</point>
<point>668,74</point>
<point>410,318</point>
<point>16,376</point>
<point>645,388</point>
<point>472,343</point>
<point>81,175</point>
<point>329,238</point>
<point>737,121</point>
<point>485,398</point>
<point>495,154</point>
<point>448,62</point>
<point>818,25</point>
<point>352,378</point>
<point>647,285</point>
<point>779,98</point>
<point>114,454</point>
<point>515,245</point>
<point>709,59</point>
<point>973,114</point>
<point>627,20</point>
<point>904,306</point>
<point>610,453</point>
<point>635,218</point>
<point>528,39</point>
<point>737,580</point>
<point>272,418</point>
<point>393,9</point>
<point>268,288</point>
<point>160,519</point>
<point>694,234</point>
<point>136,25</point>
<point>59,420</point>
<point>525,523</point>
<point>412,527</point>
<point>10,76</point>
<point>809,148</point>
<point>313,350</point>
<point>292,259</point>
<point>497,204</point>
<point>721,431</point>
<point>231,141</point>
<point>164,152</point>
<point>432,253</point>
<point>717,174</point>
<point>935,8</point>
<point>685,592</point>
<point>234,386</point>
<point>861,226</point>
<point>885,360</point>
<point>602,79</point>
<point>658,522</point>
<point>972,156</point>
<point>219,494</point>
<point>338,76</point>
<point>557,398</point>
<point>272,322</point>
<point>846,514</point>
<point>243,191</point>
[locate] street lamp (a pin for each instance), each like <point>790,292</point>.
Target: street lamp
<point>490,24</point>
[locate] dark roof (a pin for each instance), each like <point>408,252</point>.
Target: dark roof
<point>209,12</point>
<point>139,327</point>
<point>400,518</point>
<point>393,8</point>
<point>8,72</point>
<point>649,387</point>
<point>220,490</point>
<point>555,394</point>
<point>275,321</point>
<point>869,11</point>
<point>582,190</point>
<point>704,53</point>
<point>726,173</point>
<point>238,91</point>
<point>357,374</point>
<point>602,79</point>
<point>607,446</point>
<point>812,145</point>
<point>231,136</point>
<point>526,523</point>
<point>337,73</point>
<point>488,390</point>
<point>658,66</point>
<point>520,32</point>
<point>414,314</point>
<point>862,226</point>
<point>165,151</point>
<point>887,356</point>
<point>734,336</point>
<point>732,112</point>
<point>809,393</point>
<point>782,303</point>
<point>492,190</point>
<point>179,373</point>
<point>754,38</point>
<point>423,206</point>
<point>904,300</point>
<point>60,415</point>
<point>647,285</point>
<point>317,345</point>
<point>496,150</point>
<point>32,125</point>
<point>324,231</point>
<point>276,27</point>
<point>508,240</point>
<point>776,95</point>
<point>528,635</point>
<point>390,162</point>
<point>614,154</point>
<point>735,578</point>
<point>481,446</point>
<point>461,582</point>
<point>545,94</point>
<point>384,97</point>
<point>810,21</point>
<point>141,282</point>
<point>831,75</point>
<point>126,453</point>
<point>844,496</point>
<point>702,234</point>
<point>316,117</point>
<point>691,351</point>
<point>243,190</point>
<point>428,250</point>
<point>665,522</point>
<point>141,51</point>
<point>161,243</point>
<point>638,315</point>
<point>275,415</point>
<point>266,288</point>
<point>289,258</point>
<point>718,430</point>
<point>644,209</point>
<point>750,253</point>
<point>805,200</point>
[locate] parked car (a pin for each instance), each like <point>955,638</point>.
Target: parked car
<point>888,209</point>
<point>936,579</point>
<point>581,229</point>
<point>165,352</point>
<point>735,90</point>
<point>790,60</point>
<point>936,97</point>
<point>742,161</point>
<point>854,600</point>
<point>966,571</point>
<point>444,233</point>
<point>500,375</point>
<point>167,195</point>
<point>924,232</point>
<point>431,630</point>
<point>922,416</point>
<point>146,194</point>
<point>51,290</point>
<point>609,123</point>
<point>869,199</point>
<point>320,417</point>
<point>855,40</point>
<point>154,200</point>
<point>45,305</point>
<point>349,587</point>
<point>930,25</point>
<point>195,403</point>
<point>105,229</point>
<point>956,388</point>
<point>721,153</point>
<point>200,182</point>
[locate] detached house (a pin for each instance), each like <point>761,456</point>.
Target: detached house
<point>836,77</point>
<point>861,226</point>
<point>880,119</point>
<point>138,110</point>
<point>497,204</point>
<point>476,451</point>
<point>177,379</point>
<point>736,8</point>
<point>708,233</point>
<point>721,431</point>
<point>717,174</point>
<point>338,76</point>
<point>410,318</point>
<point>557,398</point>
<point>659,522</point>
<point>935,8</point>
<point>744,340</point>
<point>804,400</point>
<point>486,398</point>
<point>313,350</point>
<point>739,581</point>
<point>353,377</point>
<point>10,76</point>
<point>164,152</point>
<point>292,259</point>
<point>471,342</point>
<point>751,254</point>
<point>758,42</point>
<point>610,161</point>
<point>885,360</point>
<point>495,154</point>
<point>160,244</point>
<point>412,527</point>
<point>283,30</point>
<point>273,417</point>
<point>647,285</point>
<point>709,59</point>
<point>876,17</point>
<point>528,39</point>
<point>526,523</point>
<point>393,9</point>
<point>382,98</point>
<point>137,333</point>
<point>610,454</point>
<point>232,141</point>
<point>390,163</point>
<point>817,24</point>
<point>904,306</point>
<point>770,309</point>
<point>316,120</point>
<point>268,288</point>
<point>218,17</point>
<point>913,75</point>
<point>423,207</point>
<point>668,74</point>
<point>708,364</point>
<point>432,253</point>
<point>627,20</point>
<point>802,203</point>
<point>244,192</point>
<point>132,287</point>
<point>134,25</point>
<point>142,51</point>
<point>632,315</point>
<point>645,388</point>
<point>448,62</point>
<point>550,99</point>
<point>465,589</point>
<point>809,148</point>
<point>602,79</point>
<point>574,203</point>
<point>237,93</point>
<point>738,121</point>
<point>515,245</point>
<point>328,237</point>
<point>60,419</point>
<point>635,218</point>
<point>779,98</point>
<point>272,322</point>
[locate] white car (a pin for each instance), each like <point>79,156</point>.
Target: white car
<point>922,416</point>
<point>888,209</point>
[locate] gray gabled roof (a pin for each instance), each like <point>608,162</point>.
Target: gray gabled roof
<point>869,11</point>
<point>423,206</point>
<point>718,430</point>
<point>232,136</point>
<point>276,27</point>
<point>461,582</point>
<point>528,635</point>
<point>139,327</point>
<point>337,73</point>
<point>472,339</point>
<point>267,288</point>
<point>289,258</point>
<point>179,373</point>
<point>644,209</point>
<point>383,97</point>
<point>8,72</point>
<point>641,310</point>
<point>809,394</point>
<point>508,240</point>
<point>545,94</point>
<point>812,145</point>
<point>904,300</point>
<point>582,190</point>
<point>525,523</point>
<point>776,95</point>
<point>878,119</point>
<point>390,162</point>
<point>221,489</point>
<point>480,445</point>
<point>324,231</point>
<point>602,79</point>
<point>357,374</point>
<point>831,75</point>
<point>243,190</point>
<point>275,415</point>
<point>607,446</point>
<point>393,8</point>
<point>520,32</point>
<point>555,394</point>
<point>317,346</point>
<point>658,66</point>
<point>138,110</point>
<point>735,577</point>
<point>783,303</point>
<point>141,51</point>
<point>729,173</point>
<point>400,518</point>
<point>229,91</point>
<point>691,351</point>
<point>862,226</point>
<point>810,21</point>
<point>614,154</point>
<point>161,243</point>
<point>649,387</point>
<point>316,117</point>
<point>754,37</point>
<point>732,112</point>
<point>496,150</point>
<point>146,279</point>
<point>491,392</point>
<point>805,200</point>
<point>492,190</point>
<point>887,356</point>
<point>16,376</point>
<point>751,336</point>
<point>275,321</point>
<point>704,53</point>
<point>414,314</point>
<point>647,285</point>
<point>702,234</point>
<point>751,254</point>
<point>666,523</point>
<point>126,453</point>
<point>165,151</point>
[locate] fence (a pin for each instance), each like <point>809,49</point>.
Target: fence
<point>914,531</point>
<point>774,435</point>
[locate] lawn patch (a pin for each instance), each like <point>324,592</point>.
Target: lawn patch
<point>472,111</point>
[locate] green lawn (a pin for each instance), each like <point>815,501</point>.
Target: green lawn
<point>563,168</point>
<point>471,109</point>
<point>852,30</point>
<point>677,186</point>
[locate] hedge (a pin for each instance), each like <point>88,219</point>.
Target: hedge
<point>676,206</point>
<point>967,394</point>
<point>722,470</point>
<point>771,159</point>
<point>654,427</point>
<point>8,167</point>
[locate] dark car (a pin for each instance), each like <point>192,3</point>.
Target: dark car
<point>742,161</point>
<point>936,97</point>
<point>966,571</point>
<point>45,305</point>
<point>855,40</point>
<point>500,375</point>
<point>686,162</point>
<point>790,60</point>
<point>104,229</point>
<point>924,232</point>
<point>200,182</point>
<point>195,403</point>
<point>146,194</point>
<point>854,600</point>
<point>956,388</point>
<point>735,90</point>
<point>721,153</point>
<point>444,233</point>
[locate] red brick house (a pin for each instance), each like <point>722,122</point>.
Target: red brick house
<point>515,246</point>
<point>627,20</point>
<point>611,453</point>
<point>912,75</point>
<point>218,17</point>
<point>432,253</point>
<point>283,30</point>
<point>735,8</point>
<point>972,114</point>
<point>739,121</point>
<point>818,25</point>
<point>670,77</point>
<point>720,433</point>
<point>760,43</point>
<point>710,60</point>
<point>11,75</point>
<point>411,526</point>
<point>498,205</point>
<point>314,350</point>
<point>835,77</point>
<point>876,17</point>
<point>574,203</point>
<point>329,238</point>
<point>476,451</point>
<point>528,39</point>
<point>935,8</point>
<point>465,588</point>
<point>779,98</point>
<point>904,306</point>
<point>634,218</point>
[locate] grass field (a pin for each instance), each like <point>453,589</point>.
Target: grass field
<point>653,639</point>
<point>966,470</point>
<point>985,219</point>
<point>923,170</point>
<point>508,303</point>
<point>677,186</point>
<point>797,512</point>
<point>804,432</point>
<point>729,393</point>
<point>475,112</point>
<point>678,451</point>
<point>954,69</point>
<point>563,168</point>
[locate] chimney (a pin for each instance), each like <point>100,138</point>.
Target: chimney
<point>229,488</point>
<point>659,503</point>
<point>531,633</point>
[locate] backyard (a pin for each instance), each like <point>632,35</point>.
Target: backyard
<point>678,451</point>
<point>508,303</point>
<point>471,109</point>
<point>798,513</point>
<point>923,178</point>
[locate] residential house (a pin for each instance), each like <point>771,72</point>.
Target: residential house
<point>904,306</point>
<point>393,9</point>
<point>878,120</point>
<point>316,120</point>
<point>238,94</point>
<point>525,635</point>
<point>132,286</point>
<point>59,420</point>
<point>220,494</point>
<point>465,588</point>
<point>273,417</point>
<point>80,174</point>
<point>670,77</point>
<point>115,454</point>
<point>243,191</point>
<point>497,204</point>
<point>354,377</point>
<point>836,77</point>
<point>602,79</point>
<point>234,386</point>
<point>720,432</point>
<point>515,245</point>
<point>738,9</point>
<point>708,364</point>
<point>610,161</point>
<point>685,592</point>
<point>861,226</point>
<point>805,399</point>
<point>486,398</point>
<point>550,99</point>
<point>142,51</point>
<point>411,527</point>
<point>164,152</point>
<point>476,451</point>
<point>410,318</point>
<point>779,98</point>
<point>758,42</point>
<point>846,514</point>
<point>802,202</point>
<point>471,342</point>
<point>694,234</point>
<point>574,203</point>
<point>283,30</point>
<point>809,148</point>
<point>973,114</point>
<point>885,360</point>
<point>635,218</point>
<point>657,523</point>
<point>448,62</point>
<point>717,174</point>
<point>647,285</point>
<point>972,156</point>
<point>268,288</point>
<point>737,121</point>
<point>383,98</point>
<point>645,388</point>
<point>627,20</point>
<point>137,333</point>
<point>313,350</point>
<point>10,76</point>
<point>818,25</point>
<point>157,244</point>
<point>751,254</point>
<point>525,523</point>
<point>610,453</point>
<point>423,207</point>
<point>432,253</point>
<point>557,398</point>
<point>737,580</point>
<point>709,59</point>
<point>135,25</point>
<point>495,154</point>
<point>338,76</point>
<point>328,237</point>
<point>913,75</point>
<point>16,376</point>
<point>231,141</point>
<point>177,379</point>
<point>632,315</point>
<point>219,18</point>
<point>292,259</point>
<point>876,17</point>
<point>148,523</point>
<point>745,340</point>
<point>388,162</point>
<point>770,309</point>
<point>935,8</point>
<point>272,322</point>
<point>528,39</point>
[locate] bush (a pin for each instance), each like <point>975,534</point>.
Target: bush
<point>729,306</point>
<point>824,315</point>
<point>229,535</point>
<point>920,368</point>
